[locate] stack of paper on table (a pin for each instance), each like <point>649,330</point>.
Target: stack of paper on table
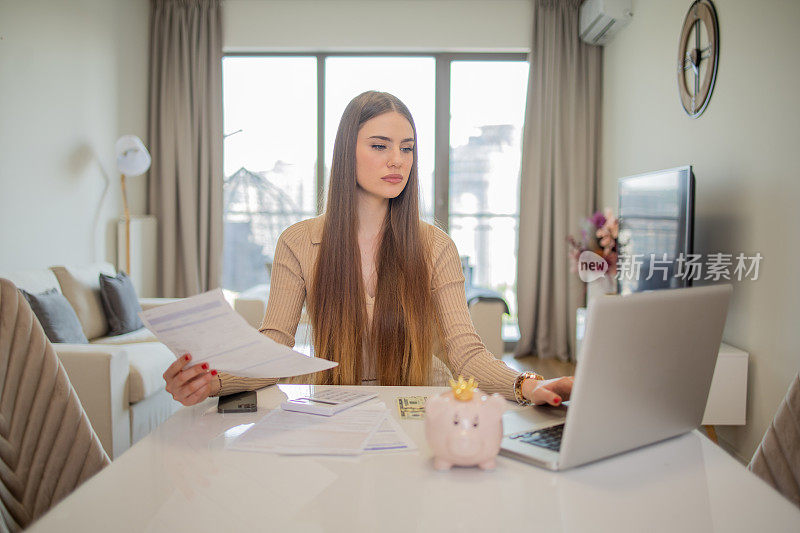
<point>206,327</point>
<point>389,437</point>
<point>362,429</point>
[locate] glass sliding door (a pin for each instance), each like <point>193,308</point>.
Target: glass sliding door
<point>270,156</point>
<point>276,136</point>
<point>487,109</point>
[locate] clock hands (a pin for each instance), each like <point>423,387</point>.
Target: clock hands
<point>694,57</point>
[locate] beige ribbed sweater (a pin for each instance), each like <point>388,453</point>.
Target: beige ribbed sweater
<point>292,270</point>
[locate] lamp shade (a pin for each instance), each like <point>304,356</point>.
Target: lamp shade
<point>132,157</point>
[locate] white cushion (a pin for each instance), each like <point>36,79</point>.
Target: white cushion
<point>252,304</point>
<point>81,287</point>
<point>139,335</point>
<point>33,281</point>
<point>148,362</point>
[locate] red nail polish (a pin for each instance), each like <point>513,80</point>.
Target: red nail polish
<point>187,357</point>
<point>557,400</point>
<point>204,366</point>
<point>213,372</point>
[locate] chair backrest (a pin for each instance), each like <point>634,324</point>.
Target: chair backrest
<point>47,445</point>
<point>777,459</point>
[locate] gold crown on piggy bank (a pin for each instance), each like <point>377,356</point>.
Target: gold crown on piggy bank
<point>463,390</point>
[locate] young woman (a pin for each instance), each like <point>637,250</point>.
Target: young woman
<point>384,290</point>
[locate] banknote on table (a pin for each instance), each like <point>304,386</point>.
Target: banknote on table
<point>411,407</point>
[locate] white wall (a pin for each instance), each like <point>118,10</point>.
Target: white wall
<point>745,150</point>
<point>377,26</point>
<point>74,78</point>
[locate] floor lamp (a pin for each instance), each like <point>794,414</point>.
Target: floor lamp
<point>132,160</point>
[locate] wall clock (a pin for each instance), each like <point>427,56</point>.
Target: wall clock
<point>698,55</point>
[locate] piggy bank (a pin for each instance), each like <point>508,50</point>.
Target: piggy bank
<point>464,426</point>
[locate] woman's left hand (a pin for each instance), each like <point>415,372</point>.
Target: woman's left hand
<point>549,391</point>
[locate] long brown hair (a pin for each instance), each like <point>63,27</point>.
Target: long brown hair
<point>401,335</point>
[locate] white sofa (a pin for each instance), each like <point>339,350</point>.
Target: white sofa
<point>118,379</point>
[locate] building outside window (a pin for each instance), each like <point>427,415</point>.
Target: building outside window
<point>270,156</point>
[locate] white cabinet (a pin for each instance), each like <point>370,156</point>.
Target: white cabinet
<point>727,399</point>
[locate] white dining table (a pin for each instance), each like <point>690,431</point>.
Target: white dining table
<point>183,477</point>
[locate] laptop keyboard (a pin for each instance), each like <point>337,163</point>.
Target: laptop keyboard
<point>549,438</point>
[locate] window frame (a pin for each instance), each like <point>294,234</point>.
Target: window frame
<point>441,150</point>
<point>441,167</point>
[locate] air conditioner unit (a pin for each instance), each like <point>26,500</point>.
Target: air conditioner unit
<point>600,20</point>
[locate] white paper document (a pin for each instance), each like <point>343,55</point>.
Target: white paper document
<point>389,438</point>
<point>211,331</point>
<point>288,432</point>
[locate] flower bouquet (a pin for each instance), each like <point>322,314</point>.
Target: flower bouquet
<point>599,234</point>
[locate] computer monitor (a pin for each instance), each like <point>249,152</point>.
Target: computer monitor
<point>656,214</point>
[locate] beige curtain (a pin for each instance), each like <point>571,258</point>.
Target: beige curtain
<point>185,187</point>
<point>558,176</point>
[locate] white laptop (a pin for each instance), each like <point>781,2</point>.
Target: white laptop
<point>643,375</point>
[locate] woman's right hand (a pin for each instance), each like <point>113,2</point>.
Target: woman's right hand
<point>190,385</point>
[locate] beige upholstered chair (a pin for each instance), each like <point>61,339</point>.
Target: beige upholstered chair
<point>47,446</point>
<point>777,459</point>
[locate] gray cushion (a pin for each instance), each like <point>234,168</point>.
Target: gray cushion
<point>120,303</point>
<point>57,317</point>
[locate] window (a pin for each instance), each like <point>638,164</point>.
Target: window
<point>270,123</point>
<point>281,114</point>
<point>411,79</point>
<point>487,109</point>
